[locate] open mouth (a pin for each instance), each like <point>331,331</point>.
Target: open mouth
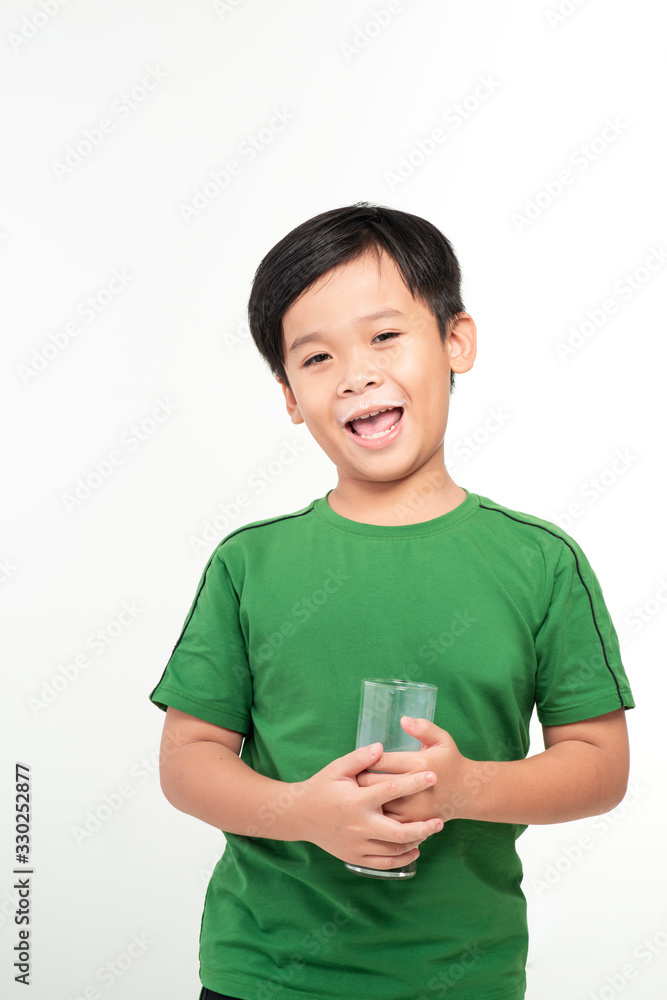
<point>374,428</point>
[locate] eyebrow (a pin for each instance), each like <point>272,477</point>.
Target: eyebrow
<point>306,338</point>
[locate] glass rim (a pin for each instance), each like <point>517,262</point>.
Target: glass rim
<point>396,681</point>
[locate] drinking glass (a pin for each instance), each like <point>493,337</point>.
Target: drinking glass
<point>383,702</point>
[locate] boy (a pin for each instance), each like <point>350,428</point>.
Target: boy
<point>396,572</point>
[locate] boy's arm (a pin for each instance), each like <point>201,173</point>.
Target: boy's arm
<point>582,772</point>
<point>202,774</point>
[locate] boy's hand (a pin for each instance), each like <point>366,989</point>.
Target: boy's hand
<point>439,754</point>
<point>348,821</point>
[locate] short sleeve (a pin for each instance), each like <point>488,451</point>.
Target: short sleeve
<point>579,670</point>
<point>208,675</point>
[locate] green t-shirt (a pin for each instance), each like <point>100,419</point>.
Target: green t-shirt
<point>500,610</point>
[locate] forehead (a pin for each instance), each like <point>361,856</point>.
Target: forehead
<point>359,292</point>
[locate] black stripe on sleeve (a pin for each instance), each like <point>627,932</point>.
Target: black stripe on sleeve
<point>245,527</point>
<point>576,561</point>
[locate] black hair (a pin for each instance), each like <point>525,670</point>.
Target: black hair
<point>425,258</point>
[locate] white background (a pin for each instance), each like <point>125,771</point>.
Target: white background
<point>170,337</point>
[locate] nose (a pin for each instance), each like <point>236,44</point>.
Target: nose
<point>357,383</point>
<point>359,374</point>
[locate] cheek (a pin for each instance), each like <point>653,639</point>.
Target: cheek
<point>428,376</point>
<point>319,421</point>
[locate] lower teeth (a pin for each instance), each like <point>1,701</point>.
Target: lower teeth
<point>379,433</point>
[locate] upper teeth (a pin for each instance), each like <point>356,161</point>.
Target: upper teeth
<point>373,413</point>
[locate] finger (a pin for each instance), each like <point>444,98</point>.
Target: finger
<point>367,778</point>
<point>358,760</point>
<point>383,862</point>
<point>404,784</point>
<point>395,815</point>
<point>397,761</point>
<point>427,732</point>
<point>392,832</point>
<point>390,849</point>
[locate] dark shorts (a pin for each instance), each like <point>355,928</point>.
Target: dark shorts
<point>210,995</point>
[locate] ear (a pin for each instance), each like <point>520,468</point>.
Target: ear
<point>290,400</point>
<point>462,342</point>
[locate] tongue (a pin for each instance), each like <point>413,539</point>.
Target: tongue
<point>380,422</point>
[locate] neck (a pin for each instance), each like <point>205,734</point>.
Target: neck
<point>402,501</point>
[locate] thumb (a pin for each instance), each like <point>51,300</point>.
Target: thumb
<point>423,730</point>
<point>358,760</point>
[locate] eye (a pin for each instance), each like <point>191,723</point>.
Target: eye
<point>310,361</point>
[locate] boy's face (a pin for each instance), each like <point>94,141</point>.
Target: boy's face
<point>359,361</point>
